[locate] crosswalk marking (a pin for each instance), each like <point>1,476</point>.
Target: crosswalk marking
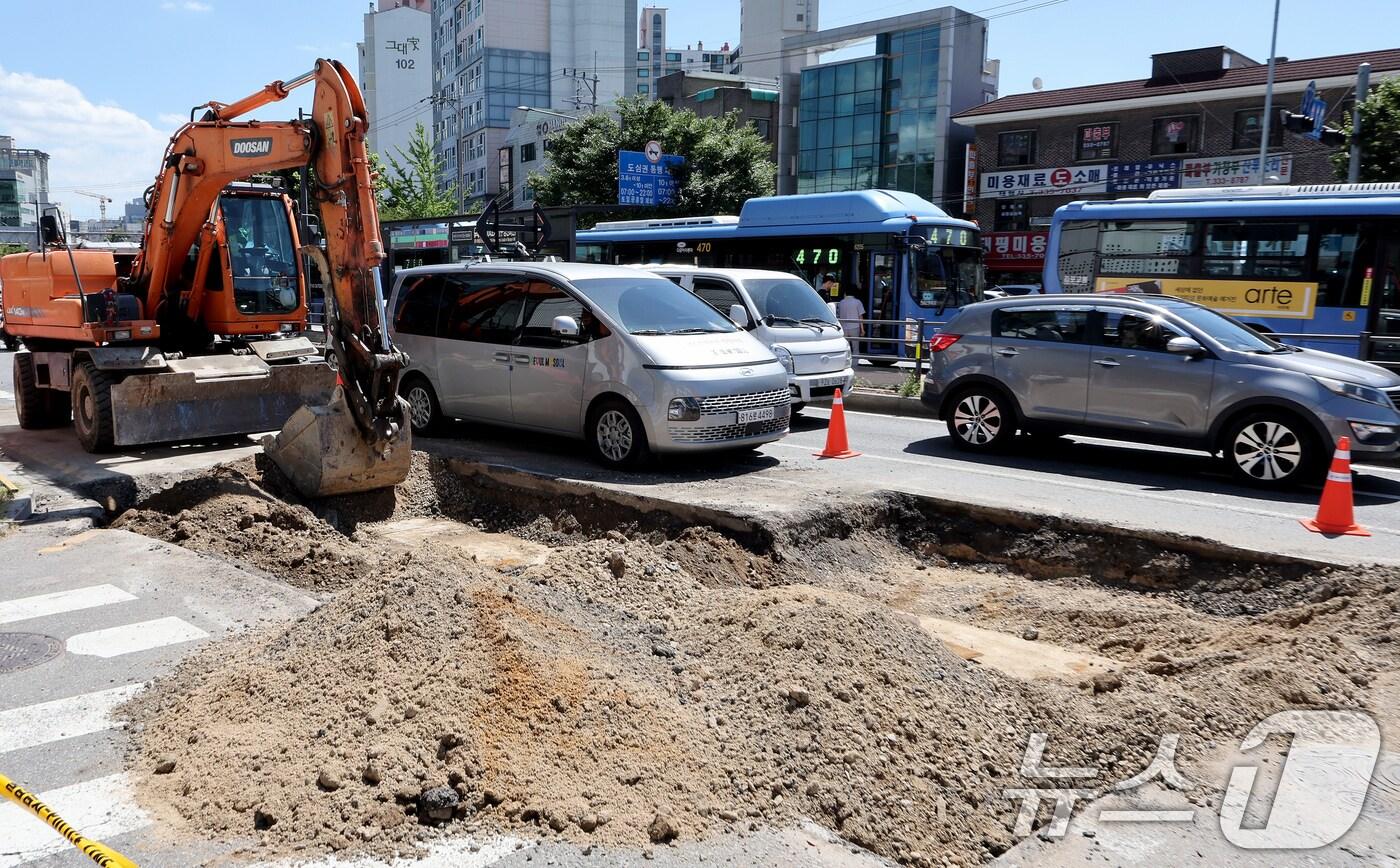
<point>130,638</point>
<point>72,716</point>
<point>100,809</point>
<point>59,602</point>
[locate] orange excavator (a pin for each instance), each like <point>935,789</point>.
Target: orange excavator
<point>198,336</point>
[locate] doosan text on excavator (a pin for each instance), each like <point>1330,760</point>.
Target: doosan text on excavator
<point>198,334</point>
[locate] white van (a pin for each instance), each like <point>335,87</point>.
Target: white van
<point>624,359</point>
<point>786,315</point>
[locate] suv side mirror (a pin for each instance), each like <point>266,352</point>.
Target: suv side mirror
<point>739,315</point>
<point>1186,347</point>
<point>564,327</point>
<point>51,231</point>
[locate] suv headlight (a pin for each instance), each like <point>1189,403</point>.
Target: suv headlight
<point>1354,390</point>
<point>785,356</point>
<point>683,410</point>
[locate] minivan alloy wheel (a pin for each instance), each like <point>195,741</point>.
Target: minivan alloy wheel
<point>614,434</point>
<point>420,406</point>
<point>977,419</point>
<point>1267,451</point>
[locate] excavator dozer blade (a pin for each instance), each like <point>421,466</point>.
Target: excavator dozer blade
<point>323,452</point>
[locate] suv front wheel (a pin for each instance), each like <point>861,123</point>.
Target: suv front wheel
<point>1271,448</point>
<point>981,419</point>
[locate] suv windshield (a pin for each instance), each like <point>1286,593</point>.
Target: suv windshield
<point>789,299</point>
<point>1231,333</point>
<point>653,306</point>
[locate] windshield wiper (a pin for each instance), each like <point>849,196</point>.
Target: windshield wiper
<point>819,322</point>
<point>696,331</point>
<point>648,332</point>
<point>774,317</point>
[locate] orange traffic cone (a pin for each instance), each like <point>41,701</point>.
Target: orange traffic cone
<point>836,446</point>
<point>1334,515</point>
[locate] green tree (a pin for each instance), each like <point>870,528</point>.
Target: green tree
<point>410,190</point>
<point>726,159</point>
<point>1380,135</point>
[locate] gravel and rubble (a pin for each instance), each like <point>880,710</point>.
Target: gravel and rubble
<point>651,684</point>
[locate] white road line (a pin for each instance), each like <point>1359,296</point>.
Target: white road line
<point>130,638</point>
<point>100,809</point>
<point>72,716</point>
<point>73,600</point>
<point>1098,489</point>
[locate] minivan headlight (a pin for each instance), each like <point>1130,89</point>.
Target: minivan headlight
<point>849,357</point>
<point>683,410</point>
<point>1354,390</point>
<point>784,356</point>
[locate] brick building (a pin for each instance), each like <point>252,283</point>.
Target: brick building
<point>713,94</point>
<point>1196,122</point>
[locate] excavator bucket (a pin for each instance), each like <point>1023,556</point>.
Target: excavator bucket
<point>323,452</point>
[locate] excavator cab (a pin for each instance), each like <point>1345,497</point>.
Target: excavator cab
<point>251,280</point>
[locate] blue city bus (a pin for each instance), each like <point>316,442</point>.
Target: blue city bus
<point>1316,265</point>
<point>902,256</point>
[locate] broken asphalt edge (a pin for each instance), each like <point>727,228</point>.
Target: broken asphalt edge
<point>760,532</point>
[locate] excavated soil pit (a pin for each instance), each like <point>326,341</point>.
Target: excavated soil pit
<point>499,654</point>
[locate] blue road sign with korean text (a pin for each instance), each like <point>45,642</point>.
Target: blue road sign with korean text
<point>644,181</point>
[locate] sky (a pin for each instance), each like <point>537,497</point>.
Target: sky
<point>104,100</point>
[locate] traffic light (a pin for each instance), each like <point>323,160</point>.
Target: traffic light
<point>1295,122</point>
<point>1303,126</point>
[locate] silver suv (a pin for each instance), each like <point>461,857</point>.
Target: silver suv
<point>1155,369</point>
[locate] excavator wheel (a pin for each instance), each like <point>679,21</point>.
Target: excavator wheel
<point>92,407</point>
<point>37,407</point>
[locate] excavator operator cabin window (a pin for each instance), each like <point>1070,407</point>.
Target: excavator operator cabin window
<point>261,255</point>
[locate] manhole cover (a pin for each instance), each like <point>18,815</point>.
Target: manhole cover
<point>22,650</point>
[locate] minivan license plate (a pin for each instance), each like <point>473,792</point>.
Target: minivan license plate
<point>757,414</point>
<point>831,381</point>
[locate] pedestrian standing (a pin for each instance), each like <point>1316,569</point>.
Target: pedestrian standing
<point>850,311</point>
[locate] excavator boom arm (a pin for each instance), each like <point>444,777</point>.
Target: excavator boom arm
<point>206,155</point>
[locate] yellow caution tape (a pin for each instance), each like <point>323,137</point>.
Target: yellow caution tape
<point>99,853</point>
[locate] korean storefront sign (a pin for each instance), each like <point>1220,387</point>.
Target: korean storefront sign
<point>1145,175</point>
<point>1014,251</point>
<point>1063,181</point>
<point>1235,171</point>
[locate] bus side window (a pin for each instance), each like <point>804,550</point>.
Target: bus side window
<point>1342,256</point>
<point>1079,244</point>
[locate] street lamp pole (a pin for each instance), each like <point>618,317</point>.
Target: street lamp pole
<point>1268,101</point>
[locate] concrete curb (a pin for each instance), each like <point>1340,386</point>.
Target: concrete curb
<point>19,505</point>
<point>888,403</point>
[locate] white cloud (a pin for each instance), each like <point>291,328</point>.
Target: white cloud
<point>101,148</point>
<point>187,6</point>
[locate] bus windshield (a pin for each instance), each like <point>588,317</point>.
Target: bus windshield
<point>947,276</point>
<point>260,254</point>
<point>788,300</point>
<point>653,306</point>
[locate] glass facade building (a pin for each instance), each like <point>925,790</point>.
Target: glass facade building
<point>873,122</point>
<point>841,126</point>
<point>883,119</point>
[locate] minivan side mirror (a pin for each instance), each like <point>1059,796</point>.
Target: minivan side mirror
<point>739,315</point>
<point>564,327</point>
<point>1186,346</point>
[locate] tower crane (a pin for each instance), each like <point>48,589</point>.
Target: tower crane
<point>101,201</point>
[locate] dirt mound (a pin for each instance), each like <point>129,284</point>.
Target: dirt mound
<point>650,683</point>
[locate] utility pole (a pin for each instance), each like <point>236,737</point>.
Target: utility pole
<point>1268,100</point>
<point>1363,84</point>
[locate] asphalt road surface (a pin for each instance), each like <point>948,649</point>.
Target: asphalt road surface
<point>1137,487</point>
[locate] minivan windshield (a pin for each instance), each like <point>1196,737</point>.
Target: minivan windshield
<point>789,301</point>
<point>1231,333</point>
<point>653,306</point>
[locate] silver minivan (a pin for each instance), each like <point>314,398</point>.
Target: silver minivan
<point>622,358</point>
<point>786,315</point>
